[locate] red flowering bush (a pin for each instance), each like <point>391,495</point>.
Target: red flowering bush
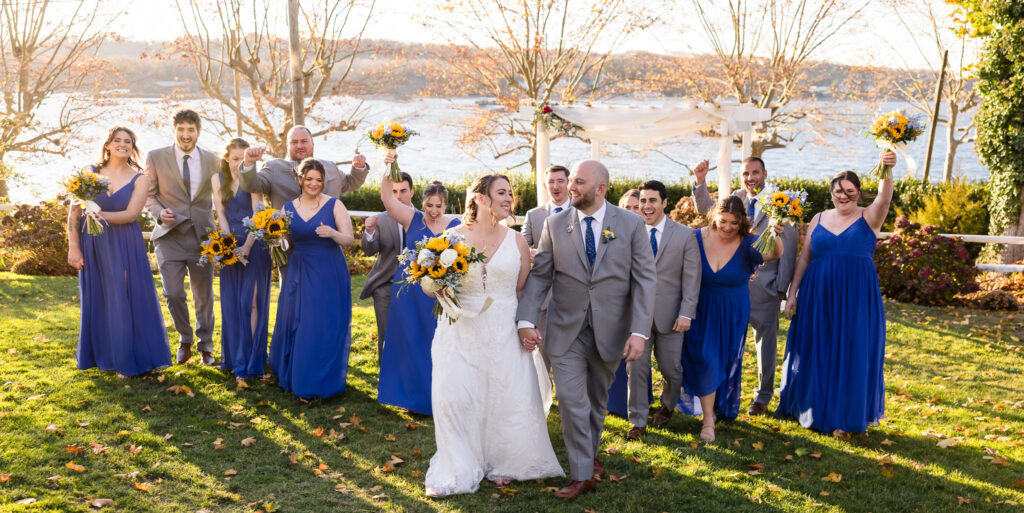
<point>917,265</point>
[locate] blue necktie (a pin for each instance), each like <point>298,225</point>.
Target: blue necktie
<point>654,241</point>
<point>185,176</point>
<point>750,209</point>
<point>558,209</point>
<point>589,239</point>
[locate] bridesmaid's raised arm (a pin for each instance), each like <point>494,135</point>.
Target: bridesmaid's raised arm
<point>140,193</point>
<point>396,209</point>
<point>876,212</point>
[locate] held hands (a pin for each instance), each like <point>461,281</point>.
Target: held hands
<point>253,154</point>
<point>359,161</point>
<point>700,172</point>
<point>166,216</point>
<point>75,258</point>
<point>325,231</point>
<point>634,348</point>
<point>888,158</point>
<point>370,225</point>
<point>530,337</point>
<point>682,325</point>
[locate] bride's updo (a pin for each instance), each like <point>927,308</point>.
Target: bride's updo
<point>482,185</point>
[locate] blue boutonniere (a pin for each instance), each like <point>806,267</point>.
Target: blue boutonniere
<point>607,235</point>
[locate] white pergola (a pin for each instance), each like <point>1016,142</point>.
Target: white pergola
<point>645,124</point>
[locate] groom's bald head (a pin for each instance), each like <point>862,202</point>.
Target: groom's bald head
<point>588,184</point>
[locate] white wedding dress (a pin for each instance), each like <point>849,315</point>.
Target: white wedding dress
<point>489,406</point>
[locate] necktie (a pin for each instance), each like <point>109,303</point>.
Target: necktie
<point>185,177</point>
<point>589,239</point>
<point>558,209</point>
<point>750,209</point>
<point>654,241</point>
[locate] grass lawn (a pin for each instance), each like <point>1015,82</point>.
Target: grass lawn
<point>68,437</point>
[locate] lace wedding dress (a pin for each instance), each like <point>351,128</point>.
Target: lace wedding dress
<point>487,397</point>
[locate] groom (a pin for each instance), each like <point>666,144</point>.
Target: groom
<point>596,260</point>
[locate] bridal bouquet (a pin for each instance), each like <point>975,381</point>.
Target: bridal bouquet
<point>778,205</point>
<point>84,186</point>
<point>388,136</point>
<point>220,249</point>
<point>892,131</point>
<point>438,265</point>
<point>271,226</point>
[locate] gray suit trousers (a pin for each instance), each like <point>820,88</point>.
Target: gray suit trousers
<point>381,303</point>
<point>668,349</point>
<point>176,257</point>
<point>582,379</point>
<point>764,318</point>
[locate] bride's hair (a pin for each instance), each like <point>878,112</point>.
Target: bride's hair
<point>482,185</point>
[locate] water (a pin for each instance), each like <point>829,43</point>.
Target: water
<point>436,154</point>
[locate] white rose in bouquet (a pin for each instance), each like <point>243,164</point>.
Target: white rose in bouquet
<point>425,258</point>
<point>448,257</point>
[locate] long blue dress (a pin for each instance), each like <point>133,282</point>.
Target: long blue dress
<point>244,350</point>
<point>832,373</point>
<point>122,328</point>
<point>713,347</point>
<point>310,346</point>
<point>618,393</point>
<point>405,358</point>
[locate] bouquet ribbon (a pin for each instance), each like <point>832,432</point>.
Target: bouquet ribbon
<point>92,211</point>
<point>901,148</point>
<point>455,312</point>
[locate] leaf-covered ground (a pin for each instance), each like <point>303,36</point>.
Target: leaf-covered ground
<point>186,439</point>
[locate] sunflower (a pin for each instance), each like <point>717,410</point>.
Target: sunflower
<point>461,249</point>
<point>229,259</point>
<point>437,271</point>
<point>896,131</point>
<point>796,210</point>
<point>229,240</point>
<point>416,270</point>
<point>206,250</point>
<point>779,199</point>
<point>377,133</point>
<point>460,265</point>
<point>73,185</point>
<point>216,247</point>
<point>438,244</point>
<point>275,228</point>
<point>794,202</point>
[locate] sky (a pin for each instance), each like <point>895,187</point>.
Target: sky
<point>872,38</point>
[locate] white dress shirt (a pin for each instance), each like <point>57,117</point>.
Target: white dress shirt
<point>563,206</point>
<point>195,170</point>
<point>660,227</point>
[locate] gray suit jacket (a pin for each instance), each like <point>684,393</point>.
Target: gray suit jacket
<point>534,224</point>
<point>773,277</point>
<point>679,267</point>
<point>386,244</point>
<point>276,180</point>
<point>192,216</point>
<point>618,291</point>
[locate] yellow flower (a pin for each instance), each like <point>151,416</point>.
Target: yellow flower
<point>461,249</point>
<point>794,202</point>
<point>438,244</point>
<point>460,265</point>
<point>896,132</point>
<point>398,133</point>
<point>275,228</point>
<point>216,247</point>
<point>73,185</point>
<point>796,210</point>
<point>416,270</point>
<point>378,132</point>
<point>779,199</point>
<point>437,271</point>
<point>229,259</point>
<point>229,241</point>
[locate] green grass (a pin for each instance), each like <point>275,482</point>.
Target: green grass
<point>950,373</point>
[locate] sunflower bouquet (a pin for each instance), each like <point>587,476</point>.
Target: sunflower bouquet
<point>84,186</point>
<point>220,249</point>
<point>388,136</point>
<point>438,265</point>
<point>271,226</point>
<point>892,131</point>
<point>778,205</point>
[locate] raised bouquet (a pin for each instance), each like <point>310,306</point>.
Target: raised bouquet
<point>271,226</point>
<point>892,131</point>
<point>388,136</point>
<point>84,186</point>
<point>438,265</point>
<point>779,206</point>
<point>220,249</point>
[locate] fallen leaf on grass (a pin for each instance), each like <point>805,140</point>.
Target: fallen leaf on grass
<point>381,497</point>
<point>74,448</point>
<point>355,419</point>
<point>616,478</point>
<point>416,473</point>
<point>960,501</point>
<point>886,442</point>
<point>756,466</point>
<point>28,500</point>
<point>815,454</point>
<point>412,426</point>
<point>509,491</point>
<point>417,452</point>
<point>246,442</point>
<point>318,432</point>
<point>161,378</point>
<point>547,489</point>
<point>135,450</point>
<point>800,451</point>
<point>758,446</point>
<point>256,420</point>
<point>230,472</point>
<point>323,467</point>
<point>126,477</point>
<point>887,472</point>
<point>147,408</point>
<point>101,503</point>
<point>634,459</point>
<point>377,487</point>
<point>74,466</point>
<point>143,487</point>
<point>1015,484</point>
<point>949,442</point>
<point>52,428</point>
<point>5,478</point>
<point>823,493</point>
<point>833,477</point>
<point>293,458</point>
<point>1000,462</point>
<point>181,389</point>
<point>774,488</point>
<point>83,424</point>
<point>657,470</point>
<point>390,438</point>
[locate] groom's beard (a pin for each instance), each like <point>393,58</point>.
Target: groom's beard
<point>584,201</point>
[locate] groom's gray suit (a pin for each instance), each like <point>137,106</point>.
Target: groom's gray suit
<point>593,310</point>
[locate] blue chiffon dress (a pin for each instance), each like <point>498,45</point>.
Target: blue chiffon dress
<point>713,347</point>
<point>832,373</point>
<point>244,350</point>
<point>310,346</point>
<point>122,327</point>
<point>405,365</point>
<point>618,393</point>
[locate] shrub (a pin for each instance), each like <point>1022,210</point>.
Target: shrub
<point>33,239</point>
<point>686,213</point>
<point>917,265</point>
<point>358,262</point>
<point>957,207</point>
<point>1012,283</point>
<point>990,300</point>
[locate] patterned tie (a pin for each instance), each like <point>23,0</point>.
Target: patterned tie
<point>185,177</point>
<point>589,239</point>
<point>750,209</point>
<point>654,241</point>
<point>558,209</point>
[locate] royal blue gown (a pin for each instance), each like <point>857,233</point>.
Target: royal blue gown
<point>618,394</point>
<point>405,358</point>
<point>832,373</point>
<point>244,350</point>
<point>122,327</point>
<point>310,346</point>
<point>713,347</point>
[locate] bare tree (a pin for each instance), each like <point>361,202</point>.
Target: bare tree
<point>764,49</point>
<point>233,44</point>
<point>533,51</point>
<point>47,56</point>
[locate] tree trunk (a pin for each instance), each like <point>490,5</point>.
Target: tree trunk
<point>1013,253</point>
<point>951,144</point>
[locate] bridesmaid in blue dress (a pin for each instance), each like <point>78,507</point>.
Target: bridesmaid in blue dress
<point>832,373</point>
<point>713,348</point>
<point>244,288</point>
<point>405,365</point>
<point>122,328</point>
<point>310,346</point>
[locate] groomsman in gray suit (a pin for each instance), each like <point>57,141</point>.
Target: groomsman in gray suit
<point>557,186</point>
<point>771,282</point>
<point>277,179</point>
<point>179,200</point>
<point>382,236</point>
<point>677,260</point>
<point>596,261</point>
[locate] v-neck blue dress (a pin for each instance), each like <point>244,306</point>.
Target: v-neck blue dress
<point>310,346</point>
<point>713,347</point>
<point>121,327</point>
<point>832,374</point>
<point>405,365</point>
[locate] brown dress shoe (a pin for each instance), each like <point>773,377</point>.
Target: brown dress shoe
<point>661,417</point>
<point>599,469</point>
<point>757,409</point>
<point>208,359</point>
<point>575,489</point>
<point>635,433</point>
<point>184,353</point>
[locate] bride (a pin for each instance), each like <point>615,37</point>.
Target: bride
<point>489,412</point>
